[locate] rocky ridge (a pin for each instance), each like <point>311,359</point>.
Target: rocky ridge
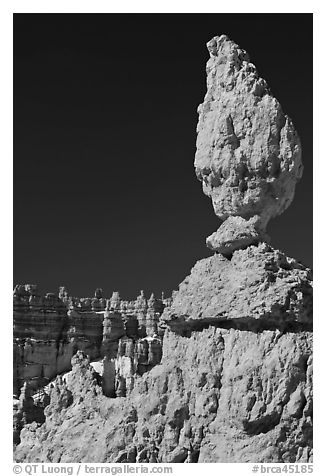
<point>212,399</point>
<point>232,380</point>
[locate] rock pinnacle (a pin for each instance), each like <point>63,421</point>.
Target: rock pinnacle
<point>248,154</point>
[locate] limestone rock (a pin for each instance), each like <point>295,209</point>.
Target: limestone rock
<point>98,293</point>
<point>113,327</point>
<point>28,410</point>
<point>256,283</point>
<point>63,294</point>
<point>231,378</point>
<point>236,233</point>
<point>248,151</point>
<point>219,395</point>
<point>38,362</point>
<point>49,329</point>
<point>115,301</point>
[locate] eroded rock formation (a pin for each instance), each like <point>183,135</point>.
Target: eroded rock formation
<point>224,395</point>
<point>233,379</point>
<point>248,151</point>
<point>256,284</point>
<point>48,331</point>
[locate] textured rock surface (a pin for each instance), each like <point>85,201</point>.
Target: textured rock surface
<point>234,234</point>
<point>257,283</point>
<point>223,395</point>
<point>49,329</point>
<point>40,351</point>
<point>248,152</point>
<point>28,410</point>
<point>222,372</point>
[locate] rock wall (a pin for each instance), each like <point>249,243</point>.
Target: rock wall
<point>219,395</point>
<point>48,331</point>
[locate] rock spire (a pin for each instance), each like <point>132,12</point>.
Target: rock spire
<point>248,152</point>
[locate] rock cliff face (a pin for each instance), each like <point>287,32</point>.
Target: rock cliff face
<point>40,350</point>
<point>48,331</point>
<point>223,371</point>
<point>219,395</point>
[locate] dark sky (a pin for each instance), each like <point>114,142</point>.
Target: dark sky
<point>105,193</point>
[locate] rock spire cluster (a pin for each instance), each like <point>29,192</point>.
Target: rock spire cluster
<point>248,151</point>
<point>49,329</point>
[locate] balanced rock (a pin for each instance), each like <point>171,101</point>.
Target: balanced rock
<point>236,233</point>
<point>248,151</point>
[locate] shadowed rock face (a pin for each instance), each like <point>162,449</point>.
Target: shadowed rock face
<point>248,151</point>
<point>48,331</point>
<point>231,379</point>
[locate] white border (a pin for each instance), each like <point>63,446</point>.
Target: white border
<point>159,6</point>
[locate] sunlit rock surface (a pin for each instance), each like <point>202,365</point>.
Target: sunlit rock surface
<point>222,370</point>
<point>248,151</point>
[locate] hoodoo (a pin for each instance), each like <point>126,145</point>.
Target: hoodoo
<point>248,151</point>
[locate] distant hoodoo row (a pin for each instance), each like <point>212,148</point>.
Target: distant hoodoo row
<point>50,329</point>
